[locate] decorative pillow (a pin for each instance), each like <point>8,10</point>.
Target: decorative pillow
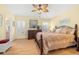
<point>58,30</point>
<point>4,41</point>
<point>67,30</point>
<point>64,30</point>
<point>72,31</point>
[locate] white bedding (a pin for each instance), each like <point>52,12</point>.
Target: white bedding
<point>53,41</point>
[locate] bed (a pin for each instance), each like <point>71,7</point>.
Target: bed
<point>57,39</point>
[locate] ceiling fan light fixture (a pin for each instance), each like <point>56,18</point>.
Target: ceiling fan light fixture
<point>39,8</point>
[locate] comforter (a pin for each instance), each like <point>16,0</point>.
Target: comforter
<point>53,41</point>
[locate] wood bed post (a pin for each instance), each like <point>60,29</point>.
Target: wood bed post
<point>76,36</point>
<point>76,32</point>
<point>41,47</point>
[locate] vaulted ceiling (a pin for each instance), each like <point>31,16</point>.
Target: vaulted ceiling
<point>26,9</point>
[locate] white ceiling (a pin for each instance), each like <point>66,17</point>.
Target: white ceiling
<point>26,9</point>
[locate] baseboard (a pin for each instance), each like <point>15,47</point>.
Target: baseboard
<point>20,38</point>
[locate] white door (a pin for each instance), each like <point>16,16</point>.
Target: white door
<point>9,30</point>
<point>20,29</point>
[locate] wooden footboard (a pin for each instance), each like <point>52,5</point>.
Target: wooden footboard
<point>40,44</point>
<point>76,36</point>
<point>41,49</point>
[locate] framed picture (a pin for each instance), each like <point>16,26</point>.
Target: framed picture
<point>1,20</point>
<point>33,23</point>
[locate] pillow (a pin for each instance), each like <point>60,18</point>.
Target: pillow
<point>64,30</point>
<point>67,30</point>
<point>4,41</point>
<point>58,30</point>
<point>72,31</point>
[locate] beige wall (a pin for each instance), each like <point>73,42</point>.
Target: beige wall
<point>72,15</point>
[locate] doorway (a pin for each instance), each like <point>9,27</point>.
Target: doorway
<point>20,29</point>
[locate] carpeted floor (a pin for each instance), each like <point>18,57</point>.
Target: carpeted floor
<point>29,47</point>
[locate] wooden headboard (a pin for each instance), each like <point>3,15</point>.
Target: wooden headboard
<point>63,26</point>
<point>75,32</point>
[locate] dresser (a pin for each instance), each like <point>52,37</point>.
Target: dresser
<point>32,33</point>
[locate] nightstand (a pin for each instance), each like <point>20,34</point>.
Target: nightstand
<point>32,33</point>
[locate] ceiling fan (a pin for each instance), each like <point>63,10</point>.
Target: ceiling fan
<point>40,8</point>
